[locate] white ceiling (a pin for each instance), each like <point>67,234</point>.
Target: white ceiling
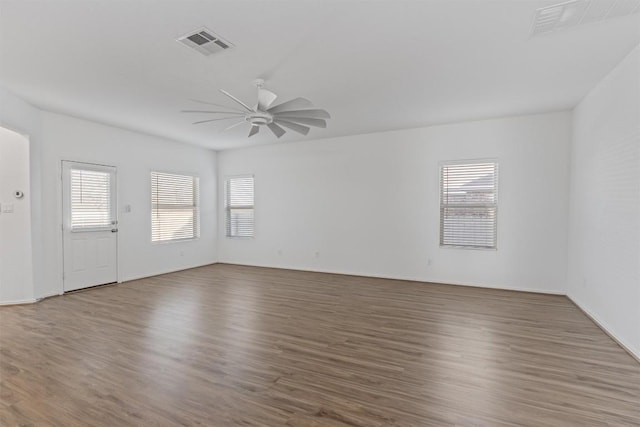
<point>374,65</point>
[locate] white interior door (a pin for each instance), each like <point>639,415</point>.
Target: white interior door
<point>90,226</point>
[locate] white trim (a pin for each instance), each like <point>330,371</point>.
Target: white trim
<point>160,273</point>
<point>97,167</point>
<point>240,175</point>
<point>173,172</point>
<point>128,279</point>
<point>18,302</point>
<point>401,278</point>
<point>467,161</point>
<point>472,248</point>
<point>49,295</point>
<point>599,323</point>
<point>173,241</point>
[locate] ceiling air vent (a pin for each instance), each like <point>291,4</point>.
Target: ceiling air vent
<point>576,12</point>
<point>204,41</point>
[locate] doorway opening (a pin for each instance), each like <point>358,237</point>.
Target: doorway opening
<point>16,265</point>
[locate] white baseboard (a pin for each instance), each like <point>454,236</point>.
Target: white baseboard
<point>404,278</point>
<point>54,294</point>
<point>160,273</point>
<point>127,279</point>
<point>500,288</point>
<point>605,329</point>
<point>18,302</point>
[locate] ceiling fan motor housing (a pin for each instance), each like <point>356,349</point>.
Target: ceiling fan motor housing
<point>259,118</point>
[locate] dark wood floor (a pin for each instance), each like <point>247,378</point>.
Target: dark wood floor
<point>228,345</point>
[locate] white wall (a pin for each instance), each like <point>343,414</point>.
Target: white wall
<point>53,138</point>
<point>604,234</point>
<point>368,204</point>
<point>16,277</point>
<point>19,116</point>
<point>135,155</point>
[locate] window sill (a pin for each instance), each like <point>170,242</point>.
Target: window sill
<point>476,248</point>
<point>164,242</point>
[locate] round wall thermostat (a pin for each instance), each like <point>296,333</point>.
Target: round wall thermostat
<point>18,194</point>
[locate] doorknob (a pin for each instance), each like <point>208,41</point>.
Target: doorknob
<point>114,230</point>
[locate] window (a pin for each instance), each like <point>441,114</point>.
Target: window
<point>238,203</point>
<point>175,207</point>
<point>90,199</point>
<point>469,204</point>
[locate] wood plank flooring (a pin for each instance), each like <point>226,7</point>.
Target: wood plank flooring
<point>227,345</point>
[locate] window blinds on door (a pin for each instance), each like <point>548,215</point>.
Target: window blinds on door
<point>469,204</point>
<point>175,207</point>
<point>90,199</point>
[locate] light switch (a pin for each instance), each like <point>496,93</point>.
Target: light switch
<point>7,207</point>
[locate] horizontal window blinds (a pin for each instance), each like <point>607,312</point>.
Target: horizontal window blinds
<point>175,207</point>
<point>239,198</point>
<point>90,199</point>
<point>469,204</point>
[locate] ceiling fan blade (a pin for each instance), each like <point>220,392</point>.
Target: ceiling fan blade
<point>277,130</point>
<point>212,112</point>
<point>319,123</point>
<point>214,120</point>
<point>312,114</point>
<point>265,99</point>
<point>295,104</point>
<point>235,124</point>
<point>215,105</point>
<point>293,126</point>
<point>237,100</point>
<point>254,130</point>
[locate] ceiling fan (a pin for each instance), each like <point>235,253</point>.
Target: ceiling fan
<point>297,114</point>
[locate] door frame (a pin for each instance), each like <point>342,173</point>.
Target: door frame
<point>62,219</point>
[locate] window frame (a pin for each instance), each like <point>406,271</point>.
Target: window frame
<point>494,205</point>
<point>227,208</point>
<point>196,205</point>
